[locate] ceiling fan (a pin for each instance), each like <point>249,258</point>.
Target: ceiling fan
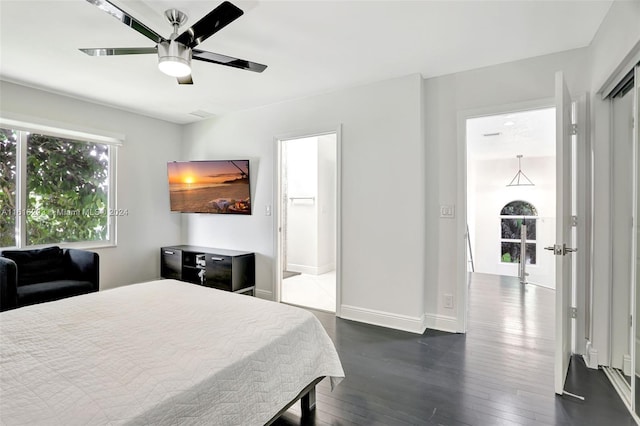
<point>176,52</point>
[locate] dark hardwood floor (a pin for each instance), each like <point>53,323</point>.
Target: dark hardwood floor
<point>499,373</point>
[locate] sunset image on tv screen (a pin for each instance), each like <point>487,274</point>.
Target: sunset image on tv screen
<point>210,186</point>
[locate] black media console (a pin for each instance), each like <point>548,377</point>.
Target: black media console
<point>228,270</point>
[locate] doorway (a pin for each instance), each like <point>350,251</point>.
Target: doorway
<point>308,208</point>
<point>511,186</point>
<point>510,190</point>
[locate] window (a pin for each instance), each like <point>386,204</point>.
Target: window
<point>512,217</point>
<point>55,189</point>
<point>8,160</point>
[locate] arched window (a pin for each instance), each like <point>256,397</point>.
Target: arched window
<point>512,216</point>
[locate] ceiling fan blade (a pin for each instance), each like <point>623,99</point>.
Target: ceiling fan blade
<point>127,19</point>
<point>112,51</point>
<point>213,22</point>
<point>217,58</point>
<point>185,80</point>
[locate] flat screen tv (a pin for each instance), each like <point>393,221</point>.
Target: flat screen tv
<point>214,186</point>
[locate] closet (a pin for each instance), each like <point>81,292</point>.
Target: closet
<point>624,365</point>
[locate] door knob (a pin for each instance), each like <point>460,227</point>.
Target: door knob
<point>561,250</point>
<point>556,249</point>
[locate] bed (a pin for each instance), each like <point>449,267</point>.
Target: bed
<point>159,353</point>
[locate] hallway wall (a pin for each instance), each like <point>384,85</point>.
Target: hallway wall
<point>447,99</point>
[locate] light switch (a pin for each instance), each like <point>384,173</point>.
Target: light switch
<point>447,211</point>
<point>267,210</point>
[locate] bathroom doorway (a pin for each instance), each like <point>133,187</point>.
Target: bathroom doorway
<point>308,221</point>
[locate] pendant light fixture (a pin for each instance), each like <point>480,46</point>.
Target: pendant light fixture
<point>520,179</point>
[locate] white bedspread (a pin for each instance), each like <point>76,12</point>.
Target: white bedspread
<point>158,353</point>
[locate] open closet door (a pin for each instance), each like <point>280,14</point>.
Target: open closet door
<point>564,131</point>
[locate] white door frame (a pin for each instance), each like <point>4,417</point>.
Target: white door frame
<point>462,289</point>
<point>584,190</point>
<point>277,190</point>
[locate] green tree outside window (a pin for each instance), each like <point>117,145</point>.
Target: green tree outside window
<point>67,189</point>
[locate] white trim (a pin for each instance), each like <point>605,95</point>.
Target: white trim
<point>58,129</point>
<point>591,356</point>
<point>277,191</point>
<point>311,270</point>
<point>633,368</point>
<point>303,269</point>
<point>609,107</point>
<point>620,385</point>
<point>441,322</point>
<point>383,319</point>
<point>584,230</point>
<point>21,184</point>
<point>264,294</point>
<point>113,195</point>
<point>21,192</point>
<point>637,350</point>
<point>626,364</point>
<point>277,225</point>
<point>309,133</point>
<point>461,224</point>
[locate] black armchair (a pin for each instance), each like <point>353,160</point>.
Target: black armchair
<point>35,276</point>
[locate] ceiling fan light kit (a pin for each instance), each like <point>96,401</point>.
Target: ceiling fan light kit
<point>174,59</point>
<point>175,54</point>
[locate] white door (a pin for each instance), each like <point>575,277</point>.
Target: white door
<point>562,249</point>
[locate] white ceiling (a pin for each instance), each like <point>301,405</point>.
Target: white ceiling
<point>527,133</point>
<point>310,47</point>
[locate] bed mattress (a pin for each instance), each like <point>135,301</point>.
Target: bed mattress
<point>158,353</point>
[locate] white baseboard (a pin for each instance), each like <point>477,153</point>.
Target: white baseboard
<point>591,357</point>
<point>637,372</point>
<point>264,294</point>
<point>303,269</point>
<point>384,319</point>
<point>626,365</point>
<point>441,322</point>
<point>311,270</point>
<point>323,269</point>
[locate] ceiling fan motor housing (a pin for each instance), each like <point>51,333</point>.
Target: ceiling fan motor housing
<point>174,58</point>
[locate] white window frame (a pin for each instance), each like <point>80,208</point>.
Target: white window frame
<point>112,141</point>
<point>511,240</point>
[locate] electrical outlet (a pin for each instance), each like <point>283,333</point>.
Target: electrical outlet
<point>267,210</point>
<point>447,300</point>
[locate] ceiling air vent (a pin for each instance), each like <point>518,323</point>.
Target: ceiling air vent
<point>202,114</point>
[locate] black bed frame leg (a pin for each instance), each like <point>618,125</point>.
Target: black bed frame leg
<point>308,401</point>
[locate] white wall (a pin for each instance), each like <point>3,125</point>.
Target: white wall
<point>301,163</point>
<point>487,181</point>
<point>486,89</point>
<point>326,205</point>
<point>142,186</point>
<point>383,194</point>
